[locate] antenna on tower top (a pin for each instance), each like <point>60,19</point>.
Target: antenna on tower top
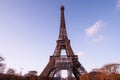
<point>62,7</point>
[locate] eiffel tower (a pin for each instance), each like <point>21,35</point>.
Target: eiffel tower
<point>59,62</point>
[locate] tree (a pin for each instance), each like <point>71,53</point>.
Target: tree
<point>112,71</point>
<point>10,71</point>
<point>96,75</point>
<point>111,68</point>
<point>33,73</point>
<point>2,65</point>
<point>1,59</point>
<point>84,77</point>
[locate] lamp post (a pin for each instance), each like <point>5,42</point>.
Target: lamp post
<point>21,71</point>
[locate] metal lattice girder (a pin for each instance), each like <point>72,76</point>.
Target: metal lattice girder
<point>59,62</point>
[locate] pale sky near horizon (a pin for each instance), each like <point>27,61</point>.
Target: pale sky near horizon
<point>29,30</point>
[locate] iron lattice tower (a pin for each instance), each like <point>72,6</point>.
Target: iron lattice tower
<point>63,43</point>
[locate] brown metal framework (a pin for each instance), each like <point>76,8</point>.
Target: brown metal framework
<point>63,43</point>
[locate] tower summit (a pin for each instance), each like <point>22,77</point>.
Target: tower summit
<point>58,62</point>
<point>63,32</point>
<point>63,43</point>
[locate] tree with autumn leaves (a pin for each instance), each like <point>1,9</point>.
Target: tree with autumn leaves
<point>107,72</point>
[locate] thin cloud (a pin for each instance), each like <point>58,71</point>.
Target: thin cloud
<point>80,54</point>
<point>118,4</point>
<point>98,39</point>
<point>94,28</point>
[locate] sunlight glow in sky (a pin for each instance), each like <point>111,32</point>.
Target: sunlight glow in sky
<point>29,30</point>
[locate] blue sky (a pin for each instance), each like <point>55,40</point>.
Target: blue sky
<point>29,30</point>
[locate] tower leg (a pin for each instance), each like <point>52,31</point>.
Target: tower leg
<point>49,70</point>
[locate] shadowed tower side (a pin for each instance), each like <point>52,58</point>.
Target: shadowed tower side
<point>57,61</point>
